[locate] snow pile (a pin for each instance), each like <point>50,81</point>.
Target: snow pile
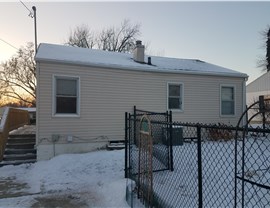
<point>96,178</point>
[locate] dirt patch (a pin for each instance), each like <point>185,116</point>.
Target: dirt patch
<point>78,200</point>
<point>9,187</point>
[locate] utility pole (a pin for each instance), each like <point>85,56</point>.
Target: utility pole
<point>35,21</point>
<point>35,26</point>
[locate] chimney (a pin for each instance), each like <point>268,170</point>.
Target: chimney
<point>138,54</point>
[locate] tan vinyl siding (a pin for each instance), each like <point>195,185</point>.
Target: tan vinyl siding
<point>107,93</point>
<point>260,84</point>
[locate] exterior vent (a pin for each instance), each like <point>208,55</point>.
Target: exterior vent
<point>149,61</point>
<point>138,54</point>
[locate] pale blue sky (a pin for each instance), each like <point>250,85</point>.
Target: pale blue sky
<point>222,33</point>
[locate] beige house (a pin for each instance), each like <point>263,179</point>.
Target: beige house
<point>260,86</point>
<point>84,93</point>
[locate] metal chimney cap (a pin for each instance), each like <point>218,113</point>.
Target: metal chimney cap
<point>138,42</point>
<point>149,61</point>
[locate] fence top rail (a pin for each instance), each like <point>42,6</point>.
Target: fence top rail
<point>206,126</point>
<point>223,126</point>
<point>142,112</point>
<point>132,118</point>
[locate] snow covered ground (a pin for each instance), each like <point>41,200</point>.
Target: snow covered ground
<point>179,188</point>
<point>96,179</point>
<point>93,179</point>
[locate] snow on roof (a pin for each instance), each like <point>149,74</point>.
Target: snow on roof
<point>100,58</point>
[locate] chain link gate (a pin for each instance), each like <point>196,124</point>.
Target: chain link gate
<point>147,153</point>
<point>252,157</point>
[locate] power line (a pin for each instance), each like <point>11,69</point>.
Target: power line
<point>31,13</point>
<point>9,44</point>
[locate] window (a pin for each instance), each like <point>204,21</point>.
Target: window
<point>66,95</point>
<point>227,100</point>
<point>175,96</point>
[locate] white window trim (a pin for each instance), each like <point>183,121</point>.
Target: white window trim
<point>220,101</point>
<point>54,114</point>
<point>182,93</point>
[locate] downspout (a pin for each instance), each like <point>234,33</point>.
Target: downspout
<point>244,97</point>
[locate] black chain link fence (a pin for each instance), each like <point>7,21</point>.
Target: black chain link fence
<point>203,174</point>
<point>252,177</point>
<point>161,159</point>
<point>200,165</point>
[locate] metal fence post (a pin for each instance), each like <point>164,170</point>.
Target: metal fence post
<point>235,165</point>
<point>134,124</point>
<point>199,145</point>
<point>171,143</point>
<point>129,144</point>
<point>126,142</point>
<point>262,110</point>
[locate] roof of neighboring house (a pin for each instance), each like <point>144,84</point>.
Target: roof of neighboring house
<point>99,58</point>
<point>262,83</point>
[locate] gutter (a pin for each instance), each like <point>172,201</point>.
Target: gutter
<point>244,99</point>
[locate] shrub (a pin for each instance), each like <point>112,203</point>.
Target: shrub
<point>220,132</point>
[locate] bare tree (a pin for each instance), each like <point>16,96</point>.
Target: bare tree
<point>81,36</point>
<point>264,63</point>
<point>119,39</point>
<point>18,77</point>
<point>268,49</point>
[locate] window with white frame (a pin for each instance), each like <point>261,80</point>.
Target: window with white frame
<point>66,95</point>
<point>227,100</point>
<point>175,96</point>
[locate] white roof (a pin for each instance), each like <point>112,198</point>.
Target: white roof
<point>99,58</point>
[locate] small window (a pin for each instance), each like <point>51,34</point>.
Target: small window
<point>66,95</point>
<point>175,96</point>
<point>227,100</point>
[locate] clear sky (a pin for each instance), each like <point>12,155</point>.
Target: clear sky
<point>223,33</point>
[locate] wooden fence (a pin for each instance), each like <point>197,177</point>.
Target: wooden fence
<point>12,118</point>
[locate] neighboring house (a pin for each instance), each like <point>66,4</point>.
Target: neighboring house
<point>82,94</point>
<point>260,86</point>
